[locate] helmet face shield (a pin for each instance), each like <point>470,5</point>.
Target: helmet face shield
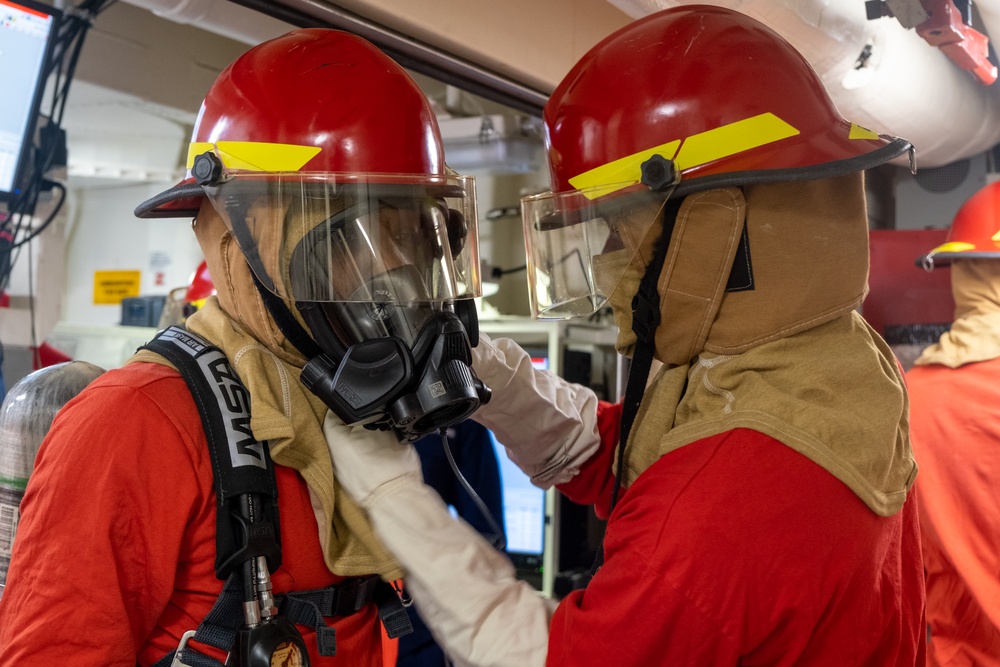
<point>578,247</point>
<point>343,238</point>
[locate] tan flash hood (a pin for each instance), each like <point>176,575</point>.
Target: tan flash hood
<point>806,253</point>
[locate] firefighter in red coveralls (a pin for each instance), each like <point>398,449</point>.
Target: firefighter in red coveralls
<point>955,422</point>
<point>314,158</point>
<point>706,188</point>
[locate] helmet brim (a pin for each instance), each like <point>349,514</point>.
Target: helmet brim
<point>942,260</point>
<point>184,200</point>
<point>181,201</point>
<point>845,157</point>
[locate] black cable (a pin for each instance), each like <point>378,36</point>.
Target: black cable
<point>497,539</point>
<point>62,62</point>
<point>48,221</point>
<point>36,355</point>
<point>497,272</point>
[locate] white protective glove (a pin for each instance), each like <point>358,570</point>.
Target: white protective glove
<point>548,425</point>
<point>466,590</point>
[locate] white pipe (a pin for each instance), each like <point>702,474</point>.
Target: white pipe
<point>223,18</point>
<point>906,87</point>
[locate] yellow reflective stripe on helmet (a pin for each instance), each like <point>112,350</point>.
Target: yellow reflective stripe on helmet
<point>621,173</point>
<point>858,132</point>
<point>720,142</point>
<point>255,155</point>
<point>698,149</point>
<point>953,246</point>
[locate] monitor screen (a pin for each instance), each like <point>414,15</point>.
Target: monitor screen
<point>539,357</point>
<point>523,512</point>
<point>26,32</point>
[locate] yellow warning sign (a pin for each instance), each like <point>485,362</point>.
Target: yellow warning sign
<point>110,287</point>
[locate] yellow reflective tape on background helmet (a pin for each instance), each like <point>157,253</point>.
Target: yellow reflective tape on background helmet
<point>953,246</point>
<point>698,149</point>
<point>255,155</point>
<point>858,132</point>
<point>621,173</point>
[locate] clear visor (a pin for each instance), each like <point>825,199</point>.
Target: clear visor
<point>578,247</point>
<point>325,237</point>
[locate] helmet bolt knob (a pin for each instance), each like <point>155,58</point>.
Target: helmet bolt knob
<point>658,173</point>
<point>207,169</point>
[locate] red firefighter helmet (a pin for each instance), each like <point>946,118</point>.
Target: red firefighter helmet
<point>718,93</point>
<point>306,145</point>
<point>324,160</point>
<point>686,99</point>
<point>313,100</point>
<point>974,233</point>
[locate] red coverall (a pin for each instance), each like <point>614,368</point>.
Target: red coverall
<point>955,423</point>
<point>114,555</point>
<point>737,550</point>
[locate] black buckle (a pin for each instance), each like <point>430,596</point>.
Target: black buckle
<point>255,539</point>
<point>341,599</point>
<point>351,595</point>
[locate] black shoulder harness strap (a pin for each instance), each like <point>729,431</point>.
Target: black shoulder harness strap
<point>240,463</point>
<point>242,466</point>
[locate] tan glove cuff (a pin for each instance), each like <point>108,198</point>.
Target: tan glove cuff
<point>548,425</point>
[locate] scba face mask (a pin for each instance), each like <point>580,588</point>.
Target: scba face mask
<point>383,270</point>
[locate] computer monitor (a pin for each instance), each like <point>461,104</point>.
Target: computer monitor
<point>539,358</point>
<point>27,31</point>
<point>523,512</point>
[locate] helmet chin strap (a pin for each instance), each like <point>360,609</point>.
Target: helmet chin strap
<point>286,322</point>
<point>645,320</point>
<point>280,312</point>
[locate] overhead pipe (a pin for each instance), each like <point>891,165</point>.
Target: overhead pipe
<point>879,74</point>
<point>222,18</point>
<point>253,21</point>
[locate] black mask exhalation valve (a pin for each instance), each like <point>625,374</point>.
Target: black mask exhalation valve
<point>410,392</point>
<point>447,391</point>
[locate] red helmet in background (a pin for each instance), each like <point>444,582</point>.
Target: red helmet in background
<point>974,233</point>
<point>200,287</point>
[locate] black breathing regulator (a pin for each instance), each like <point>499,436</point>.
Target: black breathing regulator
<point>412,392</point>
